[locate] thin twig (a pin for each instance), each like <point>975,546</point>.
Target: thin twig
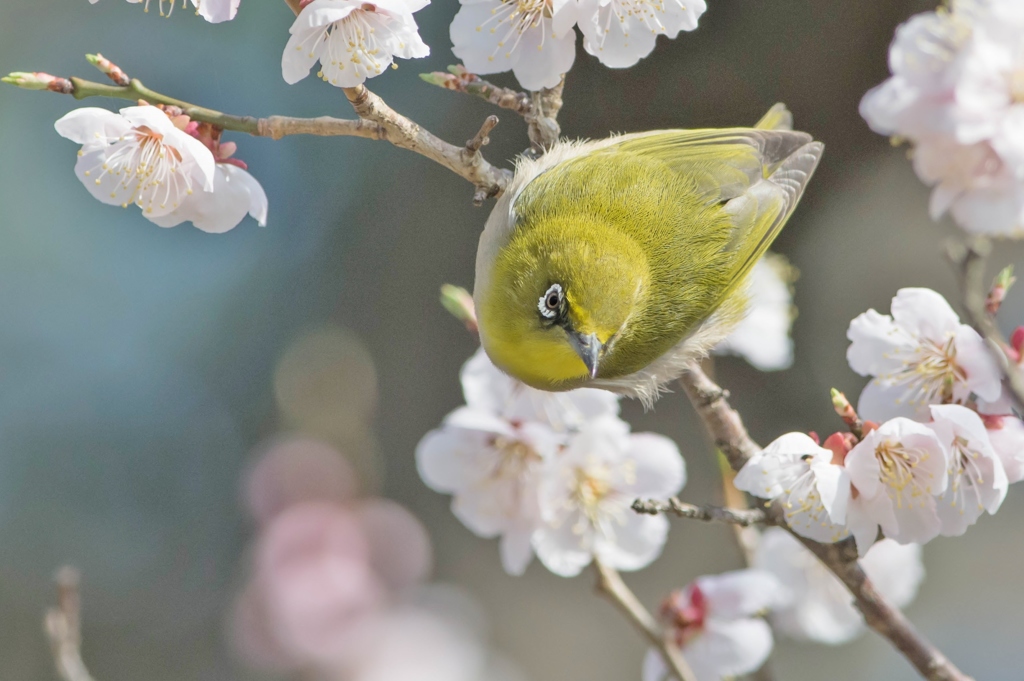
<point>376,121</point>
<point>63,628</point>
<point>481,138</point>
<point>706,512</point>
<point>610,584</point>
<point>972,258</point>
<point>458,79</point>
<point>726,429</point>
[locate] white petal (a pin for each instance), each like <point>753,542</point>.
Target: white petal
<point>924,313</point>
<point>881,401</point>
<point>104,186</point>
<point>153,118</point>
<point>1008,441</point>
<point>541,59</point>
<point>475,44</point>
<point>873,337</point>
<point>861,524</point>
<point>726,649</point>
<point>983,374</point>
<point>560,550</point>
<point>618,39</point>
<point>895,569</point>
<point>636,543</point>
<point>741,593</point>
<point>91,126</point>
<point>660,469</point>
<point>301,52</point>
<point>441,458</point>
<point>516,551</point>
<point>216,11</point>
<point>229,202</point>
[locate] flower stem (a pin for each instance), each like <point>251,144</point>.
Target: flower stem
<point>610,584</point>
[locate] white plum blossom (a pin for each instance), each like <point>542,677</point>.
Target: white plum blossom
<point>622,32</point>
<point>214,11</point>
<point>814,492</point>
<point>532,38</point>
<point>353,40</point>
<point>921,355</point>
<point>822,607</point>
<point>957,94</point>
<point>491,454</point>
<point>1006,435</point>
<point>762,338</point>
<point>897,470</point>
<point>587,492</point>
<point>235,193</point>
<point>716,622</point>
<point>977,481</point>
<point>137,157</point>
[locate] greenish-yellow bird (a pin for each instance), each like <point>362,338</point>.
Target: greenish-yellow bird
<point>613,263</point>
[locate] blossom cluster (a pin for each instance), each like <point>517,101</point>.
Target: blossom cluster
<point>535,38</point>
<point>214,11</point>
<point>551,474</point>
<point>957,95</point>
<point>174,169</point>
<point>940,448</point>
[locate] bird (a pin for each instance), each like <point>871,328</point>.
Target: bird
<point>614,263</point>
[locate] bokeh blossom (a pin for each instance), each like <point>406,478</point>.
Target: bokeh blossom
<point>716,621</point>
<point>352,40</point>
<point>762,337</point>
<point>821,608</point>
<point>957,95</point>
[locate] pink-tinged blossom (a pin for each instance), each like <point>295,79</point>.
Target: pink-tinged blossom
<point>622,32</point>
<point>977,480</point>
<point>1006,435</point>
<point>492,454</point>
<point>762,337</point>
<point>799,473</point>
<point>293,470</point>
<point>586,494</point>
<point>919,356</point>
<point>138,157</point>
<point>957,94</point>
<point>821,608</point>
<point>214,11</point>
<point>399,548</point>
<point>352,40</point>
<point>897,470</point>
<point>532,38</point>
<point>314,584</point>
<point>716,621</point>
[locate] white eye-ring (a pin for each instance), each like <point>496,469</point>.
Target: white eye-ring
<point>550,304</point>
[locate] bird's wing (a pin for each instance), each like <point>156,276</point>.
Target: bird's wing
<point>756,175</point>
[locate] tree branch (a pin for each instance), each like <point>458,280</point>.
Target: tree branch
<point>726,429</point>
<point>63,627</point>
<point>610,585</point>
<point>972,258</point>
<point>706,512</point>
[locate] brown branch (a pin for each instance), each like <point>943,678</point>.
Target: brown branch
<point>63,627</point>
<point>542,120</point>
<point>458,79</point>
<point>404,133</point>
<point>610,585</point>
<point>972,258</point>
<point>726,429</point>
<point>706,512</point>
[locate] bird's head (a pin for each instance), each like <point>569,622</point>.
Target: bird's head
<point>559,299</point>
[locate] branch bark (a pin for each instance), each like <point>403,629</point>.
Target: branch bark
<point>610,585</point>
<point>724,425</point>
<point>63,628</point>
<point>971,258</point>
<point>731,516</point>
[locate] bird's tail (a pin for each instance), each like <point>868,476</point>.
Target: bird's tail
<point>777,118</point>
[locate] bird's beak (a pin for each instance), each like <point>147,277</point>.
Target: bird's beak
<point>589,348</point>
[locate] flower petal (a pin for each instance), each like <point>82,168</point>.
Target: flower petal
<point>91,126</point>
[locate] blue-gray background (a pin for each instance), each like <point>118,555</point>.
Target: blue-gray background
<point>136,363</point>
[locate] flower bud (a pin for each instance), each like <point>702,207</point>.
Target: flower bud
<point>38,81</point>
<point>459,303</point>
<point>112,70</point>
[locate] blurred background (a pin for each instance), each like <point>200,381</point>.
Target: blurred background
<point>141,368</point>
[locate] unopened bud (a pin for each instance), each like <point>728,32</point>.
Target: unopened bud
<point>840,445</point>
<point>1016,349</point>
<point>112,70</point>
<point>997,294</point>
<point>847,413</point>
<point>459,303</point>
<point>37,80</point>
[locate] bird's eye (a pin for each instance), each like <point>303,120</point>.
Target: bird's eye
<point>550,304</point>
